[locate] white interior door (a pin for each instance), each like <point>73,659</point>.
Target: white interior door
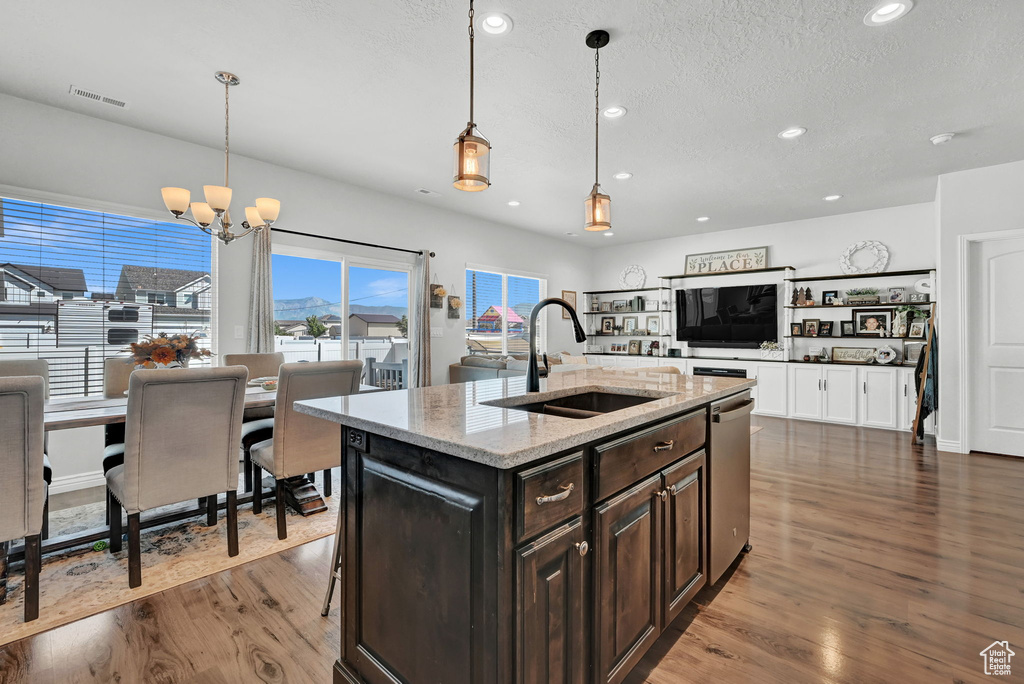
<point>995,353</point>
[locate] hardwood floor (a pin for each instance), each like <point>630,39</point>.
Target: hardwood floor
<point>872,561</point>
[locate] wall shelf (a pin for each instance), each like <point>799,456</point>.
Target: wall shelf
<point>639,289</point>
<point>621,313</point>
<point>628,335</point>
<point>872,338</point>
<point>859,306</point>
<point>728,273</point>
<point>854,276</point>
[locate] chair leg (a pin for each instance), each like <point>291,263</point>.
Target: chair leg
<point>114,513</point>
<point>311,477</point>
<point>33,561</point>
<point>247,469</point>
<point>134,552</point>
<point>211,510</point>
<point>45,534</point>
<point>257,489</point>
<point>327,482</point>
<point>335,565</point>
<point>5,546</point>
<point>232,511</point>
<point>282,524</point>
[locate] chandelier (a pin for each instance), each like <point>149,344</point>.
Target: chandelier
<point>472,150</point>
<point>218,197</point>
<point>598,206</point>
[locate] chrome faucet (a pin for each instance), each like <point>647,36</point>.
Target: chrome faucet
<point>532,374</point>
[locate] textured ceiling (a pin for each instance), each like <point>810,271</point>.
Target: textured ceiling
<point>375,92</point>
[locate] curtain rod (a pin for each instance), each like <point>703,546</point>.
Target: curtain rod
<point>350,242</point>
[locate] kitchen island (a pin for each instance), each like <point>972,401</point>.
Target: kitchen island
<point>492,536</point>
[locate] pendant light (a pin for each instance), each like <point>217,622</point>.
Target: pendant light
<point>472,150</point>
<point>598,206</point>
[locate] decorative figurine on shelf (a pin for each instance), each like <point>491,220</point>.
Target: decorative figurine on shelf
<point>801,297</point>
<point>823,357</point>
<point>796,295</point>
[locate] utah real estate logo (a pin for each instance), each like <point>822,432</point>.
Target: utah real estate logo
<point>997,658</point>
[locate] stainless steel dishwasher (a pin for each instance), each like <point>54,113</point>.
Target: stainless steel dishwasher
<point>729,481</point>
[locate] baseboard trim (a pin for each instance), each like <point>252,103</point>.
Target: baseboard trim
<point>71,483</point>
<point>949,445</point>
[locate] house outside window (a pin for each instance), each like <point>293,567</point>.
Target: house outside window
<point>497,309</point>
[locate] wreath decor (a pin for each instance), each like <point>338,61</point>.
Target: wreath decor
<point>879,250</point>
<point>632,277</point>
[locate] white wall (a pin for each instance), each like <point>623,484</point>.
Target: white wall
<point>984,200</point>
<point>51,150</point>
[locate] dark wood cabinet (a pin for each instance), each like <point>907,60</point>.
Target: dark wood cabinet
<point>627,578</point>
<point>686,552</point>
<point>549,608</point>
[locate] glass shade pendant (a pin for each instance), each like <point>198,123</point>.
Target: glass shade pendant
<point>598,209</point>
<point>472,152</point>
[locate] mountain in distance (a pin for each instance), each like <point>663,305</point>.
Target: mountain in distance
<point>298,309</point>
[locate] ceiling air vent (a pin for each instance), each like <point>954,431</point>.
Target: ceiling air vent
<point>427,193</point>
<point>96,97</point>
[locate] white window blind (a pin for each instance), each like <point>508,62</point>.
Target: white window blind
<point>78,286</point>
<point>498,307</point>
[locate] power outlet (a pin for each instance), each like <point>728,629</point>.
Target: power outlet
<point>239,332</point>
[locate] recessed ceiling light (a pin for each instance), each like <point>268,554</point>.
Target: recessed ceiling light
<point>513,203</point>
<point>622,175</point>
<point>792,132</point>
<point>887,12</point>
<point>941,138</point>
<point>702,219</point>
<point>496,23</point>
<point>832,198</point>
<point>614,112</point>
<point>608,233</point>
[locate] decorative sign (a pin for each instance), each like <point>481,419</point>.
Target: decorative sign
<point>852,355</point>
<point>753,259</point>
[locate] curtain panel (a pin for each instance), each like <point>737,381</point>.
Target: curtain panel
<point>261,296</point>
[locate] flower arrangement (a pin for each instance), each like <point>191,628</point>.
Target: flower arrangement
<point>439,291</point>
<point>771,350</point>
<point>164,350</point>
<point>769,345</point>
<point>455,302</point>
<point>861,291</point>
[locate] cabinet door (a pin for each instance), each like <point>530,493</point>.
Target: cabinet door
<point>839,389</point>
<point>878,397</point>
<point>771,389</point>
<point>627,579</point>
<point>805,391</point>
<point>906,399</point>
<point>686,558</point>
<point>549,608</point>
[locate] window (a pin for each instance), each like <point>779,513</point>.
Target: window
<point>64,273</point>
<point>156,298</point>
<point>498,307</point>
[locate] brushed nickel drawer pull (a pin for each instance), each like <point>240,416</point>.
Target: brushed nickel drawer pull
<point>562,496</point>
<point>665,446</point>
<point>582,547</point>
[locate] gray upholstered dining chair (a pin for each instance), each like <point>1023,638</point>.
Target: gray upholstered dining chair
<point>117,371</point>
<point>38,368</point>
<point>181,442</point>
<point>302,444</point>
<point>258,424</point>
<point>22,489</point>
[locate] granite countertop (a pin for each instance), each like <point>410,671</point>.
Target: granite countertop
<point>453,419</point>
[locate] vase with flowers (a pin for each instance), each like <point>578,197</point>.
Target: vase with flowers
<point>167,351</point>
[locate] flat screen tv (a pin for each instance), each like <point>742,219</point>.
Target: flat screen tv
<point>741,317</point>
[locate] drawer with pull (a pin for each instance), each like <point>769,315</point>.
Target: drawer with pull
<point>625,461</point>
<point>548,494</point>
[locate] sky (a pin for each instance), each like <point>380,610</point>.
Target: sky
<point>297,277</point>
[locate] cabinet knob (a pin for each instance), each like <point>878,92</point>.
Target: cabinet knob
<point>582,547</point>
<point>663,494</point>
<point>561,496</point>
<point>665,446</point>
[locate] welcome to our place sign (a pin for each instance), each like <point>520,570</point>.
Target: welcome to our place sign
<point>734,261</point>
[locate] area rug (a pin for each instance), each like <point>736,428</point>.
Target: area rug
<point>74,585</point>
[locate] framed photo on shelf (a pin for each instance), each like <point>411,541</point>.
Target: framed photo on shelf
<point>912,352</point>
<point>570,297</point>
<point>811,327</point>
<point>825,329</point>
<point>654,325</point>
<point>607,325</point>
<point>847,329</point>
<point>606,306</point>
<point>897,295</point>
<point>796,329</point>
<point>871,322</point>
<point>651,304</point>
<point>634,347</point>
<point>645,348</point>
<point>619,305</point>
<point>629,324</point>
<point>829,297</point>
<point>916,330</point>
<point>919,298</point>
<point>595,304</point>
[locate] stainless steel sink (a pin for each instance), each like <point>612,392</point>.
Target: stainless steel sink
<point>583,405</point>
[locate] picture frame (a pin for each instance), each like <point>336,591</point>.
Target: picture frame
<point>595,304</point>
<point>912,352</point>
<point>630,324</point>
<point>871,322</point>
<point>825,328</point>
<point>897,295</point>
<point>920,298</point>
<point>828,297</point>
<point>570,297</point>
<point>853,355</point>
<point>811,326</point>
<point>607,325</point>
<point>847,328</point>
<point>796,329</point>
<point>651,304</point>
<point>619,305</point>
<point>606,307</point>
<point>646,348</point>
<point>916,330</point>
<point>634,347</point>
<point>654,325</point>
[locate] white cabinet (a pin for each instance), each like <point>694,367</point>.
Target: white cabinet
<point>906,401</point>
<point>771,389</point>
<point>878,396</point>
<point>839,394</point>
<point>805,391</point>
